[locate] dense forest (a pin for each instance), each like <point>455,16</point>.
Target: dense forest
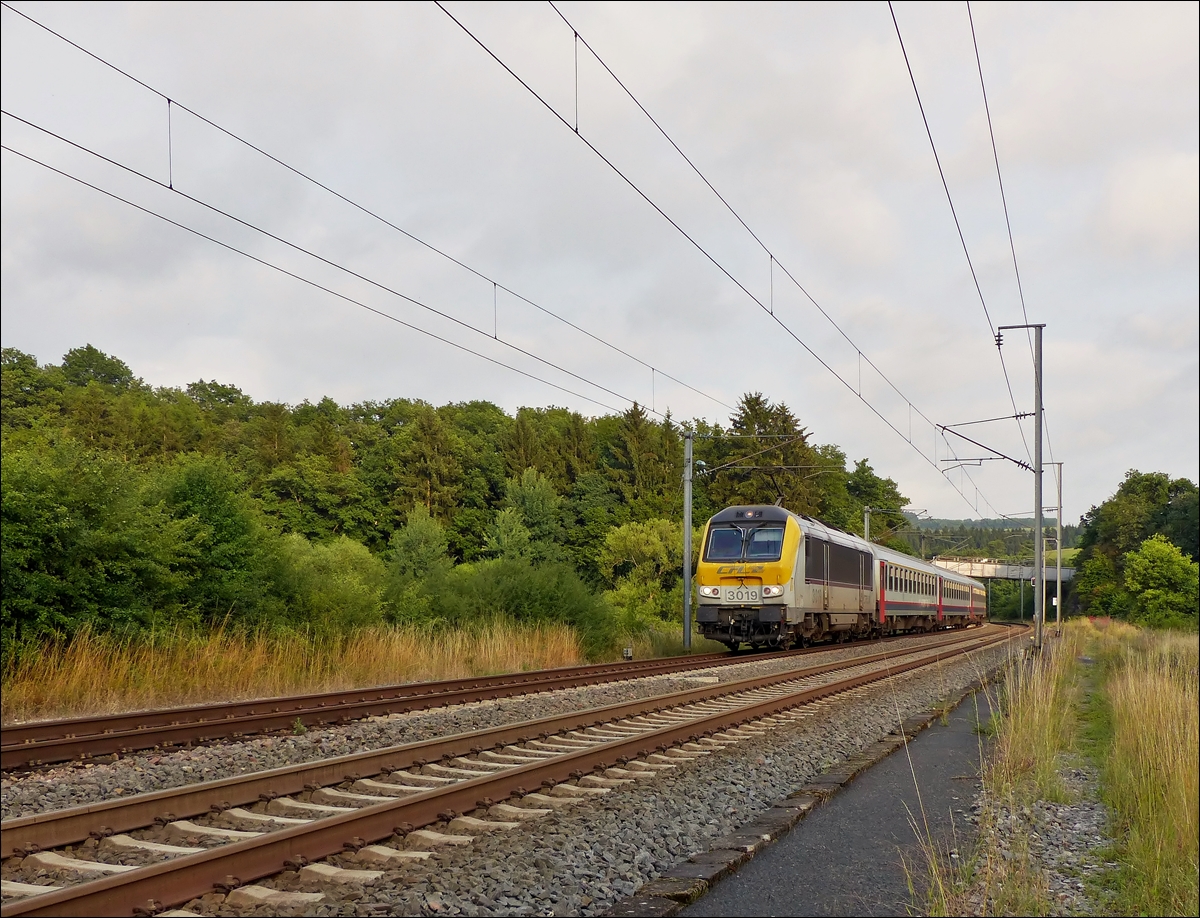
<point>128,507</point>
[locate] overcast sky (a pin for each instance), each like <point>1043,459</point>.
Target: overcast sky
<point>802,116</point>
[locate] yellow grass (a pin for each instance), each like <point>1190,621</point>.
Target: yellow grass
<point>1152,772</point>
<point>1140,721</point>
<point>1039,722</point>
<point>96,674</point>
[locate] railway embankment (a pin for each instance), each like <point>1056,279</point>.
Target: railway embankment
<point>587,858</point>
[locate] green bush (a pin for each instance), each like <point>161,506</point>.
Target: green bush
<point>331,587</point>
<point>518,590</point>
<point>1164,584</point>
<point>82,543</point>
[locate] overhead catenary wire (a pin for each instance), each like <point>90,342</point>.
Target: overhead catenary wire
<point>766,308</point>
<point>773,260</point>
<point>320,258</point>
<point>497,285</point>
<point>957,224</point>
<point>174,103</point>
<point>1004,202</point>
<point>292,274</point>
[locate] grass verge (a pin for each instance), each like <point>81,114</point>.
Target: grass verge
<point>1124,701</point>
<point>1150,766</point>
<point>96,674</point>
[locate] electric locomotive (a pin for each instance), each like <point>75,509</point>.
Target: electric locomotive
<point>769,577</point>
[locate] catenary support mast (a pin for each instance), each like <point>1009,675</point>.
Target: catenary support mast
<point>688,439</point>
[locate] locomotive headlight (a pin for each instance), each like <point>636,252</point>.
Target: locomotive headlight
<point>772,591</point>
<point>710,591</point>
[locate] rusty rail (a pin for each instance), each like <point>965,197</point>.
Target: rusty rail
<point>45,742</point>
<point>187,877</point>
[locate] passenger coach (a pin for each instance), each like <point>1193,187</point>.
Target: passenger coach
<point>772,578</point>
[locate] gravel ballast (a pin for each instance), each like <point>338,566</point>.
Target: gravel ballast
<point>1063,844</point>
<point>582,859</point>
<point>73,785</point>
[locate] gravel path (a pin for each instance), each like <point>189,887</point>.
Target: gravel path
<point>75,785</point>
<point>1060,843</point>
<point>581,859</point>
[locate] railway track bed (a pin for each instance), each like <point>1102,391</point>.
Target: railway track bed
<point>587,827</point>
<point>29,791</point>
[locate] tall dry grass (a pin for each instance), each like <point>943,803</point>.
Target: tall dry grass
<point>1136,712</point>
<point>1039,722</point>
<point>95,674</point>
<point>1037,698</point>
<point>1152,772</point>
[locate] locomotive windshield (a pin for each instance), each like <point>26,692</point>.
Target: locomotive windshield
<point>733,543</point>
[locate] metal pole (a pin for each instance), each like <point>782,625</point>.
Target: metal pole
<point>1021,606</point>
<point>867,524</point>
<point>1058,559</point>
<point>688,437</point>
<point>1039,550</point>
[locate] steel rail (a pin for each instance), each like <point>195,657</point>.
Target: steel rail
<point>177,881</point>
<point>65,739</point>
<point>43,742</point>
<point>68,826</point>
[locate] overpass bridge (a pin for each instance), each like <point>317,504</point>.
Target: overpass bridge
<point>988,568</point>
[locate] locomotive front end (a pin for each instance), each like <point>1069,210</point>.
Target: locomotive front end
<point>745,576</point>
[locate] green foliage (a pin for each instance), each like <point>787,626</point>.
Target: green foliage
<point>538,510</point>
<point>331,587</point>
<point>509,538</point>
<point>1164,584</point>
<point>1147,506</point>
<point>230,554</point>
<point>1100,587</point>
<point>83,543</point>
<point>419,549</point>
<point>644,562</point>
<point>126,506</point>
<point>83,365</point>
<point>516,589</point>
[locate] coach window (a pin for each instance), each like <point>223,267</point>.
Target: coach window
<point>724,544</point>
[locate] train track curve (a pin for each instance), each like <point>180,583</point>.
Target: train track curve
<point>49,741</point>
<point>426,783</point>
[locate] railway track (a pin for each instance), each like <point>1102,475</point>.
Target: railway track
<point>50,741</point>
<point>304,813</point>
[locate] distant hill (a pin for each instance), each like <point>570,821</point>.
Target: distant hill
<point>971,524</point>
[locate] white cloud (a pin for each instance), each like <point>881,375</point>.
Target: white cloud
<point>1152,206</point>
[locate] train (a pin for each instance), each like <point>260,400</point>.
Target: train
<point>772,578</point>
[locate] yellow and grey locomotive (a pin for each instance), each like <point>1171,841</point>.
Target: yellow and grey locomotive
<point>772,578</point>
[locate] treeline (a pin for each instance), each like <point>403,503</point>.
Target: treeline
<point>1137,552</point>
<point>127,506</point>
<point>1003,539</point>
